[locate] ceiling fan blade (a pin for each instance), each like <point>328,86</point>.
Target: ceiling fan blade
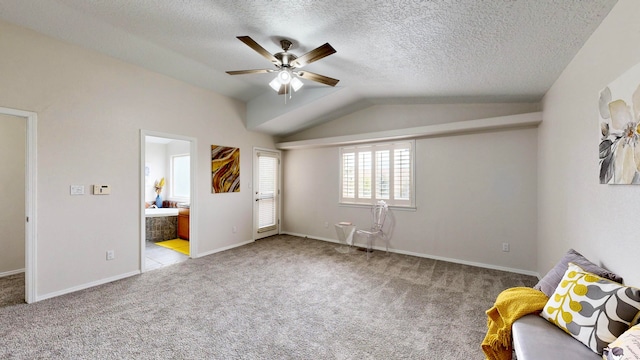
<point>255,71</point>
<point>313,55</point>
<point>318,78</point>
<point>259,49</point>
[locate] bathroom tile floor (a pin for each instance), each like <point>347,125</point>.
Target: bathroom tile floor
<point>158,256</point>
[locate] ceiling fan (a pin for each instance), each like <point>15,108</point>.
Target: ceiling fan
<point>287,65</point>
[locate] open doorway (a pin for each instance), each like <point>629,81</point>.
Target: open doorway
<point>168,190</point>
<point>17,193</point>
<point>12,193</point>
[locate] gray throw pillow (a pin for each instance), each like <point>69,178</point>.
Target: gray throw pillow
<point>549,282</point>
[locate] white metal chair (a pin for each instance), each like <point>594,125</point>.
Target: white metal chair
<point>378,217</point>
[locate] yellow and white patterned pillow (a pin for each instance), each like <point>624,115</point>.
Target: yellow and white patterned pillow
<point>626,347</point>
<point>592,309</point>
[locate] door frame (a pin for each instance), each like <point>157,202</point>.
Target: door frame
<point>193,205</point>
<point>256,150</point>
<point>30,263</point>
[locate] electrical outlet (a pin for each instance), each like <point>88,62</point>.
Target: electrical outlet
<point>326,224</point>
<point>505,247</point>
<point>234,229</point>
<point>111,255</point>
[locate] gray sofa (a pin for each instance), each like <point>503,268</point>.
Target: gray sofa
<point>534,338</point>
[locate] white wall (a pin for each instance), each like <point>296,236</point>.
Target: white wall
<point>474,192</point>
<point>90,111</point>
<point>575,210</point>
<point>12,197</point>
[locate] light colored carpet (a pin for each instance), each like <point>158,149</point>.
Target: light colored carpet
<point>282,297</point>
<point>179,245</point>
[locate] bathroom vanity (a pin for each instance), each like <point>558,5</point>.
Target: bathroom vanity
<point>183,223</point>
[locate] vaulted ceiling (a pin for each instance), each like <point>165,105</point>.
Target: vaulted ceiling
<point>404,51</point>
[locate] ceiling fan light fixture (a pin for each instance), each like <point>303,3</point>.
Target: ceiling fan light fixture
<point>296,84</point>
<point>275,84</point>
<point>284,76</point>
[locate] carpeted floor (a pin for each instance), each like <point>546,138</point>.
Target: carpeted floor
<point>282,297</point>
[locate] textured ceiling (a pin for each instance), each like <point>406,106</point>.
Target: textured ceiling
<point>404,50</point>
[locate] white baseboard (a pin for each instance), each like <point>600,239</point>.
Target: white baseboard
<point>122,276</point>
<point>225,248</point>
<point>427,256</point>
<point>86,286</point>
<point>137,272</point>
<point>311,237</point>
<point>470,263</point>
<point>12,272</point>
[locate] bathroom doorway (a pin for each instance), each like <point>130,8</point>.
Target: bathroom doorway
<point>17,181</point>
<point>167,184</point>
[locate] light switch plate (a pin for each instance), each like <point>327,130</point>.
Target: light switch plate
<point>77,189</point>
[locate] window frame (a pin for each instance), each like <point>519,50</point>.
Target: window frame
<point>353,191</point>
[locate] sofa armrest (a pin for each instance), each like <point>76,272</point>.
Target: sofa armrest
<point>536,338</point>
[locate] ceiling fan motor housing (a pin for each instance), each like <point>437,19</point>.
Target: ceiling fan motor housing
<point>285,58</point>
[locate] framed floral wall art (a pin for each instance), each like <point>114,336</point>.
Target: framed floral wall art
<point>225,169</point>
<point>620,129</point>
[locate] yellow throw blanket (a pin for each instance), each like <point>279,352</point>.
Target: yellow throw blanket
<point>510,305</point>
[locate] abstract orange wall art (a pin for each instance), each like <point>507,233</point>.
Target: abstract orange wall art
<point>225,169</point>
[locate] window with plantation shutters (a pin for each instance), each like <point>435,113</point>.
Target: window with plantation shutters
<point>382,171</point>
<point>364,175</point>
<point>348,176</point>
<point>402,174</point>
<point>267,187</point>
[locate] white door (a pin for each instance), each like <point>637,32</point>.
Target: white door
<point>266,199</point>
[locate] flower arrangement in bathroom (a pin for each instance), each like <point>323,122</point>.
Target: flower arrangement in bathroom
<point>159,185</point>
